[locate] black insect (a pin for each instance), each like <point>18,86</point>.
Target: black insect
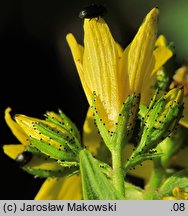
<point>92,11</point>
<point>23,158</point>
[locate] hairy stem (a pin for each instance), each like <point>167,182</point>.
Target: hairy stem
<point>118,176</point>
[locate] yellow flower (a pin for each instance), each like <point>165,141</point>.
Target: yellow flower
<point>180,79</point>
<point>113,73</point>
<point>110,71</point>
<point>66,188</point>
<point>177,194</point>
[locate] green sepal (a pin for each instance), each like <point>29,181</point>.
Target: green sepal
<point>153,100</point>
<point>156,131</point>
<point>63,121</point>
<point>95,185</point>
<point>53,152</point>
<point>123,128</point>
<point>64,138</point>
<point>34,150</point>
<point>143,111</point>
<point>68,163</point>
<point>42,167</point>
<point>179,179</point>
<point>138,159</point>
<point>101,126</point>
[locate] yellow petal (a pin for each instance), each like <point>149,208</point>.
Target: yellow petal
<point>13,150</point>
<point>161,41</point>
<point>100,64</point>
<point>15,128</point>
<point>77,53</point>
<point>119,49</point>
<point>161,56</point>
<point>141,51</point>
<point>68,188</point>
<point>38,162</point>
<point>91,138</point>
<point>27,124</point>
<point>123,75</point>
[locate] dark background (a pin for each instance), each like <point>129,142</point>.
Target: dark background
<point>37,72</point>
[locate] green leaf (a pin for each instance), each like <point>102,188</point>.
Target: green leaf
<point>133,161</point>
<point>179,179</point>
<point>95,185</point>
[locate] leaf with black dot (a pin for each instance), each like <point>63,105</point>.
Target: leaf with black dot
<point>138,159</point>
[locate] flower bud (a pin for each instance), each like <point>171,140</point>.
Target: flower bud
<point>161,119</point>
<point>51,138</point>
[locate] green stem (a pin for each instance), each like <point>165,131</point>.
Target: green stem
<point>155,181</point>
<point>118,176</point>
